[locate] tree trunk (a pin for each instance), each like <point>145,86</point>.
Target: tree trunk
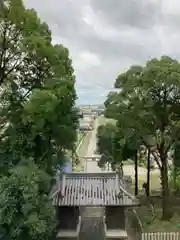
<point>166,213</point>
<point>136,173</point>
<point>148,174</point>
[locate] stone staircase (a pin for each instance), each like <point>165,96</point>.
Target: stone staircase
<point>92,228</point>
<point>92,223</point>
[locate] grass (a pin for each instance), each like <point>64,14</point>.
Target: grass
<point>151,221</point>
<point>154,223</point>
<point>82,151</point>
<point>128,162</point>
<point>155,183</point>
<point>80,137</point>
<point>102,120</point>
<point>84,146</point>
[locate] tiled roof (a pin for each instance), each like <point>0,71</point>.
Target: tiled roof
<point>88,189</point>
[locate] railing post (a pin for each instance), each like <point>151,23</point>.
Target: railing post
<point>78,226</point>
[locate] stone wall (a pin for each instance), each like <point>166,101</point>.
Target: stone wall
<point>115,217</point>
<point>67,217</point>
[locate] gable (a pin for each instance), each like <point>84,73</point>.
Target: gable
<point>92,189</point>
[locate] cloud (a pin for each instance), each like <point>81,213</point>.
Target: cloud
<point>86,60</point>
<point>106,36</point>
<point>131,13</point>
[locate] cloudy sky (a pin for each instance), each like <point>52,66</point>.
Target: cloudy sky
<point>106,36</point>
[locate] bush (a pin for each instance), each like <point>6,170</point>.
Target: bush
<point>174,180</point>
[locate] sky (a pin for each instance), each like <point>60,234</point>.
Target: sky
<point>106,37</point>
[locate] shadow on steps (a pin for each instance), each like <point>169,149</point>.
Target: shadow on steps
<point>92,228</point>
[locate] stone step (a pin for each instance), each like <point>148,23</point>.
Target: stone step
<point>92,228</point>
<point>116,234</point>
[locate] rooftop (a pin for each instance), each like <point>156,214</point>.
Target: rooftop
<point>92,189</point>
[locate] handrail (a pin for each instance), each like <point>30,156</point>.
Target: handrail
<point>78,226</point>
<point>133,225</point>
<point>138,219</point>
<point>105,226</point>
<point>55,193</point>
<point>127,193</point>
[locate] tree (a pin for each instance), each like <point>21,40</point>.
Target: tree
<point>25,210</point>
<point>47,128</point>
<point>148,173</point>
<point>129,143</point>
<point>115,149</point>
<point>38,120</point>
<point>111,105</point>
<point>149,104</point>
<point>105,140</point>
<point>35,73</point>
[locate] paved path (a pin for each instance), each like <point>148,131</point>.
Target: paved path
<point>91,166</point>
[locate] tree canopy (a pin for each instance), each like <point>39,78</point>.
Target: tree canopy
<point>112,145</point>
<point>25,210</point>
<point>147,110</point>
<point>38,120</point>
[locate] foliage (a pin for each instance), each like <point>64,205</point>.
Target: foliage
<point>38,93</point>
<point>75,160</point>
<point>153,223</point>
<point>105,139</point>
<point>176,155</point>
<point>174,180</point>
<point>112,146</point>
<point>38,120</point>
<point>111,105</point>
<point>25,211</point>
<point>148,110</point>
<point>105,136</point>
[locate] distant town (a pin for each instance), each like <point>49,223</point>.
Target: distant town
<point>88,114</point>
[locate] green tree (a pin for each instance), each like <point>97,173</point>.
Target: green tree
<point>115,149</point>
<point>35,73</point>
<point>52,133</point>
<point>129,143</point>
<point>25,210</point>
<point>149,105</point>
<point>105,141</point>
<point>111,105</point>
<point>38,120</point>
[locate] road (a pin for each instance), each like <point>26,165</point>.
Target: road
<point>91,166</point>
<point>89,149</point>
